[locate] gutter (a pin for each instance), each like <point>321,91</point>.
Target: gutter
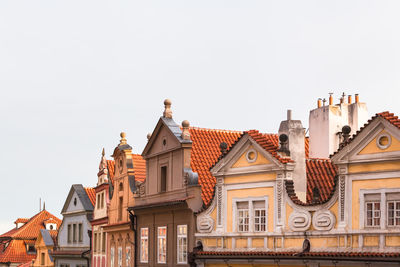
<point>90,249</point>
<point>133,219</point>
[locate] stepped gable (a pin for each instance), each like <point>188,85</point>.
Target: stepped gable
<point>139,167</point>
<point>205,153</point>
<point>390,117</point>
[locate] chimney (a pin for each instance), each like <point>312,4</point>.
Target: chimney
<point>357,98</point>
<point>330,99</point>
<point>349,99</point>
<point>294,142</point>
<point>326,123</point>
<point>319,103</point>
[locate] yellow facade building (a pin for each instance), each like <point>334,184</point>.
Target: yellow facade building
<point>330,199</point>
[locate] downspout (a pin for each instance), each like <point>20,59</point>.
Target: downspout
<point>90,248</point>
<point>133,219</point>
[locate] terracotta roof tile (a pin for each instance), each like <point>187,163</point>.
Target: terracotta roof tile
<point>205,153</point>
<point>110,167</point>
<point>321,173</point>
<point>27,234</point>
<point>139,167</point>
<point>21,220</point>
<point>91,194</point>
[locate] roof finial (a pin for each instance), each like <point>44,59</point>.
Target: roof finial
<point>103,153</point>
<point>185,130</point>
<point>167,111</point>
<point>123,139</point>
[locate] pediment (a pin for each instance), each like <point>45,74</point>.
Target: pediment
<point>379,140</point>
<point>165,137</point>
<point>246,156</point>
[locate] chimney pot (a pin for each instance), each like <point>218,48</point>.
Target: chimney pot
<point>330,99</point>
<point>349,99</point>
<point>319,102</point>
<point>289,114</point>
<point>357,98</point>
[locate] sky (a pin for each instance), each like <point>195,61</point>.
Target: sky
<point>74,74</point>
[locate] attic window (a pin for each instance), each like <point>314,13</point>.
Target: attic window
<point>251,156</point>
<point>74,201</point>
<point>383,141</point>
<point>31,249</point>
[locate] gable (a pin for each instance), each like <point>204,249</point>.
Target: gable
<point>75,204</point>
<point>382,142</point>
<point>163,140</point>
<point>250,157</point>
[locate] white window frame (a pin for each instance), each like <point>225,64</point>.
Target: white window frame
<point>160,237</point>
<point>363,193</point>
<point>120,256</point>
<point>260,218</point>
<point>243,216</point>
<point>144,244</point>
<point>112,256</point>
<point>396,213</point>
<point>250,200</point>
<point>128,256</point>
<point>181,254</point>
<point>376,214</point>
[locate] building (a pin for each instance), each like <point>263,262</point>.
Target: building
<point>74,235</point>
<point>178,185</point>
<point>44,246</point>
<point>100,212</point>
<point>276,204</point>
<point>129,169</point>
<point>17,246</point>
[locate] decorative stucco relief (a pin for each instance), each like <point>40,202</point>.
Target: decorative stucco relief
<point>205,223</point>
<point>299,220</point>
<point>323,220</point>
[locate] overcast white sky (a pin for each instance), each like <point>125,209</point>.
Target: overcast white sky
<point>74,74</point>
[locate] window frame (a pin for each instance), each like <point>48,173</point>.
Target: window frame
<point>395,211</point>
<point>251,209</point>
<point>180,237</point>
<point>164,246</point>
<point>142,239</point>
<point>385,195</point>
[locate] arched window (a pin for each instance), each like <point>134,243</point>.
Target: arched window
<point>121,186</point>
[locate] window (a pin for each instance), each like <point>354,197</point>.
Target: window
<point>102,200</point>
<point>74,232</point>
<point>103,241</point>
<point>42,258</point>
<point>31,249</point>
<point>163,179</point>
<point>373,213</point>
<point>120,208</point>
<point>95,242</point>
<point>121,187</point>
<point>80,232</point>
<point>119,256</point>
<point>381,208</point>
<point>182,244</point>
<point>144,245</point>
<point>112,256</point>
<point>69,233</point>
<point>250,214</point>
<point>98,201</point>
<point>128,257</point>
<point>259,216</point>
<point>243,216</point>
<point>162,244</point>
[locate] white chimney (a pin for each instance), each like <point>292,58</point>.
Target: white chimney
<point>296,138</point>
<point>326,122</point>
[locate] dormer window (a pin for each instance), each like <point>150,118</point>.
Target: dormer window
<point>163,179</point>
<point>30,249</point>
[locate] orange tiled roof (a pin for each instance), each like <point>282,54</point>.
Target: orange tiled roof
<point>111,167</point>
<point>321,173</point>
<point>26,234</point>
<point>26,264</point>
<point>21,220</point>
<point>91,194</point>
<point>205,153</point>
<point>139,167</point>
